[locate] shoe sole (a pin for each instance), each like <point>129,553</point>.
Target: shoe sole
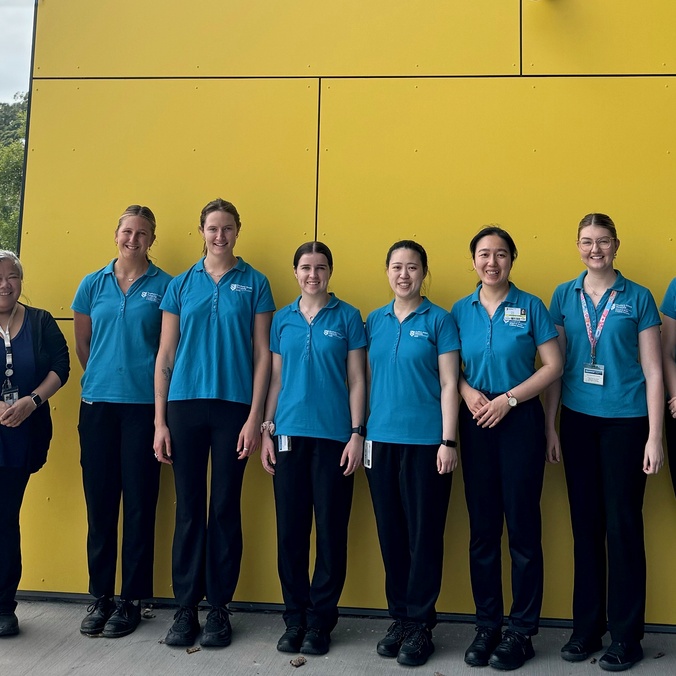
<point>476,663</point>
<point>619,667</point>
<point>313,651</point>
<point>288,649</point>
<point>10,632</point>
<point>118,634</point>
<point>214,641</point>
<point>411,661</point>
<point>505,667</point>
<point>180,641</point>
<point>388,652</point>
<point>91,634</point>
<point>579,657</point>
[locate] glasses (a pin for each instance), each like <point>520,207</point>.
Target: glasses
<point>588,244</point>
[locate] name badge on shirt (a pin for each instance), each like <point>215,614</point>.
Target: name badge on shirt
<point>368,454</point>
<point>593,374</point>
<point>514,314</point>
<point>283,443</point>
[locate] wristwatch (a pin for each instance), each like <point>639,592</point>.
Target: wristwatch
<point>37,399</point>
<point>511,399</point>
<point>360,430</point>
<point>449,442</point>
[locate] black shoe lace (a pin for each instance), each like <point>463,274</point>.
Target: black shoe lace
<point>98,603</point>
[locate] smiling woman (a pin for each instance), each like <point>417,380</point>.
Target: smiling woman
<point>209,406</point>
<point>117,319</point>
<point>36,366</point>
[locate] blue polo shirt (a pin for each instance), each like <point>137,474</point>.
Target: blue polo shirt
<point>668,306</point>
<point>314,398</point>
<point>623,394</point>
<point>125,334</point>
<point>405,397</point>
<point>214,357</point>
<point>498,353</point>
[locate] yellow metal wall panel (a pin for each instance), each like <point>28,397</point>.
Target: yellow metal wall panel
<point>97,146</point>
<point>598,36</point>
<point>79,38</point>
<point>435,159</point>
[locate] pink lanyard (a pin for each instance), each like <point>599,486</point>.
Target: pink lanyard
<point>594,338</point>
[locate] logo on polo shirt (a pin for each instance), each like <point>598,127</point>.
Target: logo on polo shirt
<point>241,288</point>
<point>151,296</point>
<point>419,334</point>
<point>332,334</point>
<point>622,308</point>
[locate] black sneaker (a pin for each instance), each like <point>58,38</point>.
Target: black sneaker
<point>291,640</point>
<point>124,620</point>
<point>98,614</point>
<point>579,649</point>
<point>417,646</point>
<point>484,643</point>
<point>512,652</point>
<point>9,624</point>
<point>185,628</point>
<point>621,656</point>
<point>389,645</point>
<point>316,642</point>
<point>217,631</point>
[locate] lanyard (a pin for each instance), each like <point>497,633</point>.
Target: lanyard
<point>594,337</point>
<point>9,371</point>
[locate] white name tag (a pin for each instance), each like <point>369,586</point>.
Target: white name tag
<point>593,374</point>
<point>283,443</point>
<point>515,314</point>
<point>368,454</point>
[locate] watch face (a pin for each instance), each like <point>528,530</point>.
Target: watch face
<point>512,401</point>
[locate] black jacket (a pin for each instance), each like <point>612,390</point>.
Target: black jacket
<point>51,354</point>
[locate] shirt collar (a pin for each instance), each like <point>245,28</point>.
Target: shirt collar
<point>150,272</point>
<point>240,265</point>
<point>333,302</point>
<point>510,299</point>
<point>421,309</point>
<point>618,284</point>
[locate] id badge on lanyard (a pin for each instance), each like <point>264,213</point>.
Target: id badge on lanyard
<point>593,373</point>
<point>10,394</point>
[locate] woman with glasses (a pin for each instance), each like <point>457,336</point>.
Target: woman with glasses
<point>610,438</point>
<point>668,309</point>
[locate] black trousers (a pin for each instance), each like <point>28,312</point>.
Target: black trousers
<point>670,432</point>
<point>410,500</point>
<point>116,455</point>
<point>603,460</point>
<point>13,483</point>
<point>308,479</point>
<point>206,555</point>
<point>503,470</point>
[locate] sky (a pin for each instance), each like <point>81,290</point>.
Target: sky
<point>16,36</point>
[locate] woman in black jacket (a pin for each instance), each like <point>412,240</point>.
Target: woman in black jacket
<point>36,366</point>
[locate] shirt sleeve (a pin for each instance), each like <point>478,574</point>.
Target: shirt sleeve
<point>447,336</point>
<point>356,335</point>
<point>82,302</point>
<point>276,333</point>
<point>648,313</point>
<point>265,301</point>
<point>543,325</point>
<point>668,306</point>
<point>170,302</point>
<point>555,310</point>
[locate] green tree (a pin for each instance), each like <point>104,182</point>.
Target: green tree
<point>12,139</point>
